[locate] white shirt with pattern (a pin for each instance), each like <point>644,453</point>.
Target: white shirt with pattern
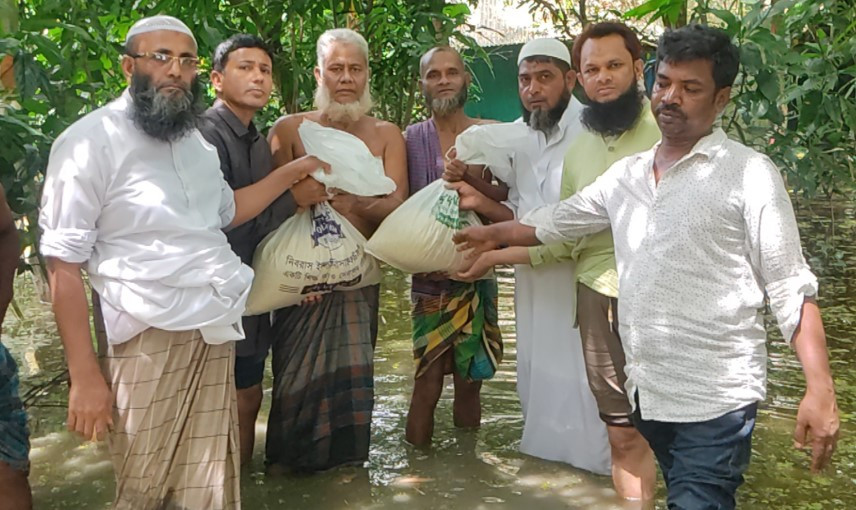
<point>696,253</point>
<point>145,217</point>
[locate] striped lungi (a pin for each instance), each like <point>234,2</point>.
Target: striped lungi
<point>174,442</point>
<point>323,386</point>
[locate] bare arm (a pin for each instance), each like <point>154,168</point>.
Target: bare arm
<point>483,186</point>
<point>818,417</point>
<point>282,137</point>
<point>476,176</point>
<point>473,200</point>
<point>489,237</point>
<point>375,209</point>
<point>251,200</point>
<point>90,402</point>
<point>490,259</point>
<point>9,253</point>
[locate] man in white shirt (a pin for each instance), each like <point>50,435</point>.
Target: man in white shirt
<point>561,420</point>
<point>704,231</point>
<point>134,195</point>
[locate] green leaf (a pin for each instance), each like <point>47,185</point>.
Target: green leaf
<point>16,123</point>
<point>648,7</point>
<point>730,20</point>
<point>768,84</point>
<point>848,111</point>
<point>47,48</point>
<point>456,10</point>
<point>8,44</point>
<point>780,6</point>
<point>750,56</point>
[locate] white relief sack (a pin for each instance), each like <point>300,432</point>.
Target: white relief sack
<point>492,145</point>
<point>314,252</point>
<point>353,167</point>
<point>417,236</point>
<point>318,250</point>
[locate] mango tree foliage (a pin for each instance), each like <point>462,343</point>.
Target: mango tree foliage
<point>795,97</point>
<point>59,59</point>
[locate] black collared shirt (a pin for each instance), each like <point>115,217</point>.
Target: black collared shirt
<point>245,159</point>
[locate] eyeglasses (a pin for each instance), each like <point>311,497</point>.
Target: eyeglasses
<point>162,59</point>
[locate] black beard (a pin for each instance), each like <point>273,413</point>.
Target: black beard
<point>443,107</point>
<point>547,121</point>
<point>614,117</point>
<point>165,118</point>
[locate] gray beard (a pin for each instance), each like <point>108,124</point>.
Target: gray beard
<point>165,118</point>
<point>541,120</point>
<point>446,106</point>
<point>547,121</point>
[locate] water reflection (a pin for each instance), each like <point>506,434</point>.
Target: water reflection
<point>475,470</point>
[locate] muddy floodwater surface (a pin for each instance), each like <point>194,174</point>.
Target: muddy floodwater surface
<point>471,469</point>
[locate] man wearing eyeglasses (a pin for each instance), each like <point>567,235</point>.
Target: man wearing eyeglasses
<point>134,195</point>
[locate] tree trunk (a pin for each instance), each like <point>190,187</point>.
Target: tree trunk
<point>583,14</point>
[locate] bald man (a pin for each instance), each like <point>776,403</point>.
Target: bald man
<point>442,345</point>
<point>135,196</point>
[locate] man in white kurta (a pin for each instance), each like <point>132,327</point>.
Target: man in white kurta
<point>560,414</point>
<point>135,197</point>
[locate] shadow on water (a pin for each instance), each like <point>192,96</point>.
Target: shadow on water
<point>474,469</point>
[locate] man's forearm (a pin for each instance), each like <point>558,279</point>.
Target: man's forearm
<point>252,200</point>
<point>809,342</point>
<point>494,211</point>
<point>375,210</point>
<point>487,189</point>
<point>513,233</point>
<point>72,317</point>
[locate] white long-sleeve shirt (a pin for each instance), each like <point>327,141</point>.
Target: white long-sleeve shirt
<point>696,254</point>
<point>145,218</point>
<point>535,163</point>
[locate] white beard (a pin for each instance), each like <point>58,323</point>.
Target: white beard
<point>336,111</point>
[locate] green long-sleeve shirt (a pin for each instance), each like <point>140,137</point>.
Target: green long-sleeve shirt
<point>588,156</point>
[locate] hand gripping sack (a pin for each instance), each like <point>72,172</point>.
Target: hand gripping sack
<point>492,145</point>
<point>417,236</point>
<point>313,252</point>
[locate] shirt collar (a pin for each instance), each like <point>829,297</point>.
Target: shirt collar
<point>710,144</point>
<point>707,145</point>
<point>234,122</point>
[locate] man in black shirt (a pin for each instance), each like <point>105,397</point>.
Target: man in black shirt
<point>242,76</point>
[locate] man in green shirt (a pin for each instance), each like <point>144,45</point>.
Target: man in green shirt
<point>619,123</point>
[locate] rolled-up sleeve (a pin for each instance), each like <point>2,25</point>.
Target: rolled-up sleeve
<point>74,191</point>
<point>546,254</point>
<point>774,244</point>
<point>227,205</point>
<point>583,213</point>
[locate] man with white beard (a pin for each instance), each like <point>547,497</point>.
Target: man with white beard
<point>323,390</point>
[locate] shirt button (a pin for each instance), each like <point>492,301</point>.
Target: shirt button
<point>611,148</point>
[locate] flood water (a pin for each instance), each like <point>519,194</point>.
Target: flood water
<point>472,469</point>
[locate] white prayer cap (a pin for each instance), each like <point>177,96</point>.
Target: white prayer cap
<point>545,47</point>
<point>161,22</point>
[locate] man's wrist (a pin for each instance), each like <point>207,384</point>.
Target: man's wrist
<point>821,386</point>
